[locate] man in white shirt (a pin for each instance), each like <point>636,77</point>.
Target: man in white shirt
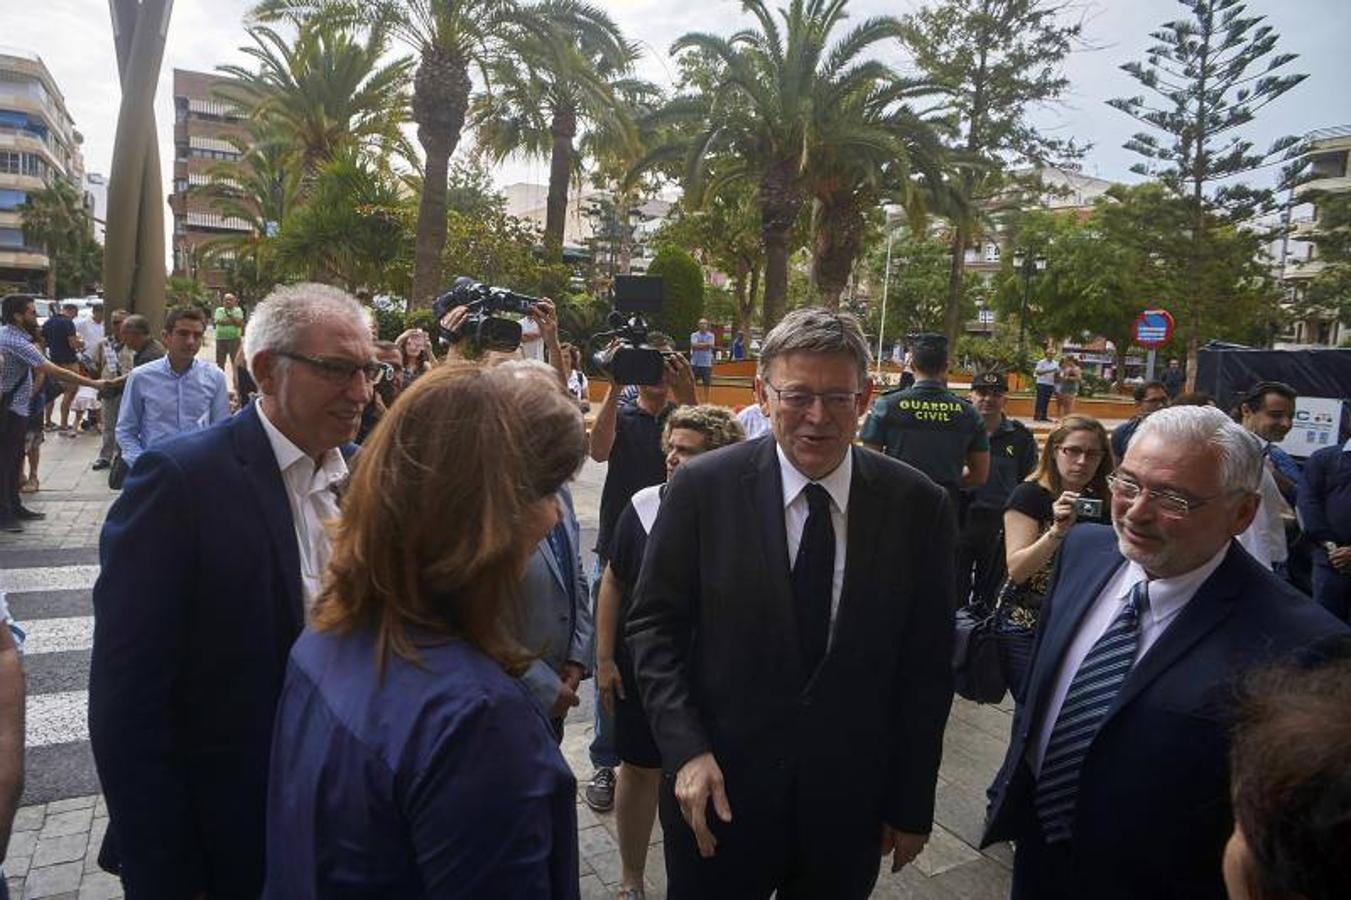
<point>818,579</point>
<point>1115,783</point>
<point>1269,412</point>
<point>1045,372</point>
<point>215,552</point>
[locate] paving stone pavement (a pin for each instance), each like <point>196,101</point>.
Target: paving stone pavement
<point>47,573</point>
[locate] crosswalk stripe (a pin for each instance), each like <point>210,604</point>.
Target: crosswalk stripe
<point>59,718</point>
<point>58,635</point>
<point>52,579</point>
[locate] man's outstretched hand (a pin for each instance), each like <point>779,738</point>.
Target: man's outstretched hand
<point>698,781</point>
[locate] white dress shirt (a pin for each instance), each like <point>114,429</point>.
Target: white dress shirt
<point>312,493</point>
<point>1265,537</point>
<point>795,512</point>
<point>1167,598</point>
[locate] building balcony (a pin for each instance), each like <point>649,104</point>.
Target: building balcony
<point>1335,185</point>
<point>28,183</point>
<point>22,258</point>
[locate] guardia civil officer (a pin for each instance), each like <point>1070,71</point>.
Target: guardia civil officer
<point>1013,456</point>
<point>929,427</point>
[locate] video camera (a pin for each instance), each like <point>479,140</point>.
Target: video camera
<point>627,357</point>
<point>488,331</point>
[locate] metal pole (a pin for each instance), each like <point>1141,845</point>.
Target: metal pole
<point>886,285</point>
<point>1149,364</point>
<point>1022,313</point>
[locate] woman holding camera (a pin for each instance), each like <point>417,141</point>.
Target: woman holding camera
<point>415,347</point>
<point>1068,487</point>
<point>408,761</point>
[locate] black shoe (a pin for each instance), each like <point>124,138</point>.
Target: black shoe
<point>101,464</point>
<point>12,525</point>
<point>24,514</point>
<point>600,790</point>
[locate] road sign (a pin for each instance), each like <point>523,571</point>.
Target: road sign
<point>1153,328</point>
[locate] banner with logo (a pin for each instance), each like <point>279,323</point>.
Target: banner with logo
<point>1316,423</point>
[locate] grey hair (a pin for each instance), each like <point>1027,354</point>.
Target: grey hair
<point>137,323</point>
<point>1240,451</point>
<point>814,329</point>
<point>280,320</point>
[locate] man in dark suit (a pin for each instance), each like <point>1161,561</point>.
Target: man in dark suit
<point>1116,780</point>
<point>791,635</point>
<point>210,558</point>
<point>557,617</point>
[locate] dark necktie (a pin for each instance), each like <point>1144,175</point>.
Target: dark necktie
<point>813,577</point>
<point>1090,696</point>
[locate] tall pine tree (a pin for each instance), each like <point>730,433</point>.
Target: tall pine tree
<point>1210,73</point>
<point>996,61</point>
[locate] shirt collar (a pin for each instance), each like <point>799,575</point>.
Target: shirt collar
<point>836,483</point>
<point>1167,596</point>
<point>288,454</point>
<point>1346,448</point>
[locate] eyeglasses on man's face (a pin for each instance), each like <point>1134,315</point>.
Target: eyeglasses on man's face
<point>340,371</point>
<point>1169,504</point>
<point>800,400</point>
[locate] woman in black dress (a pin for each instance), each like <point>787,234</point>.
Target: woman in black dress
<point>1075,462</point>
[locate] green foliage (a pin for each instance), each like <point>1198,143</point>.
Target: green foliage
<point>683,284</point>
<point>999,352</point>
<point>54,218</point>
<point>719,305</point>
<point>390,323</point>
<point>581,316</point>
<point>918,288</point>
<point>994,64</point>
<point>186,292</point>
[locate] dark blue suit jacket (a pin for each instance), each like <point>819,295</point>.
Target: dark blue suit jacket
<point>1153,810</point>
<point>196,608</point>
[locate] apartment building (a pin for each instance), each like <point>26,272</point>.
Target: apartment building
<point>38,143</point>
<point>204,123</point>
<point>1328,152</point>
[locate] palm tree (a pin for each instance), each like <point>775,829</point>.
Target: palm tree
<point>55,219</point>
<point>874,148</point>
<point>759,120</point>
<point>558,79</point>
<point>260,189</point>
<point>448,37</point>
<point>327,90</point>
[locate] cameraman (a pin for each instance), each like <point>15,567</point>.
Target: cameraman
<point>627,436</point>
<point>543,318</point>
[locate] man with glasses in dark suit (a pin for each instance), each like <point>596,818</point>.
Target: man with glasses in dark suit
<point>792,637</point>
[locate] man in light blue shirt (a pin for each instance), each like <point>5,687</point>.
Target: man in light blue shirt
<point>701,358</point>
<point>173,395</point>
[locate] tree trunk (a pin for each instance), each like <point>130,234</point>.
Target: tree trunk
<point>780,200</point>
<point>51,274</point>
<point>952,318</point>
<point>747,312</point>
<point>835,245</point>
<point>431,217</point>
<point>623,209</point>
<point>563,128</point>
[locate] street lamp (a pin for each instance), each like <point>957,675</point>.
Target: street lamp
<point>1026,265</point>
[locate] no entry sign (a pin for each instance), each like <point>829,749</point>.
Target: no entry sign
<point>1153,328</point>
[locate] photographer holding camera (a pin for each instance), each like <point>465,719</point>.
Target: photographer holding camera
<point>1069,486</point>
<point>627,436</point>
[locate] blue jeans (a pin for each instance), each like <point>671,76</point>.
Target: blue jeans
<point>602,751</point>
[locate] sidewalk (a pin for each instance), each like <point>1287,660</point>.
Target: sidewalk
<point>48,572</point>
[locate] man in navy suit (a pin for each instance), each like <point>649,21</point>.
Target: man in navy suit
<point>1116,780</point>
<point>210,558</point>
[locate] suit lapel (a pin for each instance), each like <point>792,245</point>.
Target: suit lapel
<point>865,514</point>
<point>551,561</point>
<point>1207,609</point>
<point>1074,596</point>
<point>260,468</point>
<point>763,488</point>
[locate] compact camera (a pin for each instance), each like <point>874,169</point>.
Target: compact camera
<point>1088,508</point>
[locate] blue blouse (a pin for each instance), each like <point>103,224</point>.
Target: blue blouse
<point>438,781</point>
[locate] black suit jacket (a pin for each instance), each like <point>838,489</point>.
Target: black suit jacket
<point>714,637</point>
<point>1153,809</point>
<point>196,607</point>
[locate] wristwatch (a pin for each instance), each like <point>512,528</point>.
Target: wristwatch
<point>1329,546</point>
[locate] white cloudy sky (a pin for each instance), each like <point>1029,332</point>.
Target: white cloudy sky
<point>74,39</point>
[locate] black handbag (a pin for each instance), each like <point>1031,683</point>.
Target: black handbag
<point>117,472</point>
<point>1014,640</point>
<point>976,662</point>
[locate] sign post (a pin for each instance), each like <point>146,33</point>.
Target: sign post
<point>1153,329</point>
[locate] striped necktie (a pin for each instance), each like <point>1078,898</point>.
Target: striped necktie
<point>1091,693</point>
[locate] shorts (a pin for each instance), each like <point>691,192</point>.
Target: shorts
<point>33,437</point>
<point>633,733</point>
<point>703,375</point>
